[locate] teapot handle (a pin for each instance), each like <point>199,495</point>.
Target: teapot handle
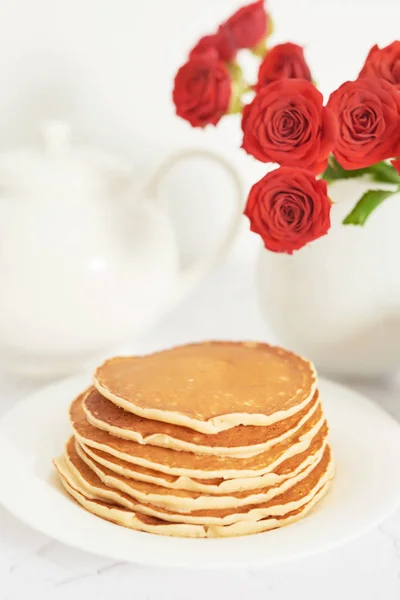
<point>191,276</point>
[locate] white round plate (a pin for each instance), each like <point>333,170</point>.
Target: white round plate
<point>366,489</point>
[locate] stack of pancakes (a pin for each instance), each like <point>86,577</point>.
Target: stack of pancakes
<point>205,440</point>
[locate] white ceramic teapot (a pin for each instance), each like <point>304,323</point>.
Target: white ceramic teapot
<point>87,259</point>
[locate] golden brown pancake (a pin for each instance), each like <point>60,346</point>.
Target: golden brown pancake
<point>210,386</point>
<point>288,468</point>
<point>242,440</point>
<point>194,465</point>
<point>182,500</point>
<point>213,439</point>
<point>291,499</point>
<point>135,519</point>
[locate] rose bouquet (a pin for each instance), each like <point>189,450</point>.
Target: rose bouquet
<point>285,122</point>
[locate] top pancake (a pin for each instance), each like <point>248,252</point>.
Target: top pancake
<point>210,386</point>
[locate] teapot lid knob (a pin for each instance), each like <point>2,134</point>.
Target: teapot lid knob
<point>56,136</point>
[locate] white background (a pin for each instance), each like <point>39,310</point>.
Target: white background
<point>107,66</point>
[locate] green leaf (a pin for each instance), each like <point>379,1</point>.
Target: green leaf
<point>382,172</point>
<point>366,205</point>
<point>334,171</point>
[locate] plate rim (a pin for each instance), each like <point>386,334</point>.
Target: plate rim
<point>65,537</point>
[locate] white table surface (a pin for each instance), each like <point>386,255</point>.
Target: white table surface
<point>34,566</point>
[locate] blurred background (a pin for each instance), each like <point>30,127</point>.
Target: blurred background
<point>107,68</point>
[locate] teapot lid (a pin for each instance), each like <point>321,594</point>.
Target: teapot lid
<point>56,163</point>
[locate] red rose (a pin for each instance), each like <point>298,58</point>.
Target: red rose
<point>226,44</point>
<point>288,208</point>
<point>206,46</point>
<point>285,61</point>
<point>248,26</point>
<point>219,45</point>
<point>368,111</point>
<point>383,62</point>
<point>396,164</point>
<point>286,123</point>
<point>202,91</point>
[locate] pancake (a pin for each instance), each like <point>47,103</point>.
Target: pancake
<point>121,516</point>
<point>248,527</point>
<point>211,386</point>
<point>287,501</point>
<point>239,441</point>
<point>181,500</point>
<point>142,522</point>
<point>289,468</point>
<point>194,465</point>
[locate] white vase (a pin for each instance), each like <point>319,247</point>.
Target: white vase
<point>337,301</point>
